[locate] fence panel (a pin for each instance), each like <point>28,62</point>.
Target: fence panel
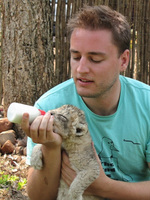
<point>138,15</point>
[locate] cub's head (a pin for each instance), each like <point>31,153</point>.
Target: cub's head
<point>69,121</point>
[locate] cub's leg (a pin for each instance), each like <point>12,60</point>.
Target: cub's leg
<point>36,157</point>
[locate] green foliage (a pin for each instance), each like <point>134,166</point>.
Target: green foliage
<point>4,180</point>
<point>22,183</point>
<point>8,180</point>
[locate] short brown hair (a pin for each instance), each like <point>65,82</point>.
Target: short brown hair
<point>103,17</point>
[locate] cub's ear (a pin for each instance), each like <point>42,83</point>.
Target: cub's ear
<point>79,132</point>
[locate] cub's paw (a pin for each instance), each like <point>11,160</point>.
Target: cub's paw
<point>36,157</point>
<point>74,196</point>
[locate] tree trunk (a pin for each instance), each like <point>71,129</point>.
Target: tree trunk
<point>26,63</point>
<point>25,50</point>
<point>0,53</point>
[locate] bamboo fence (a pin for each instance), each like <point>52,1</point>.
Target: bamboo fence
<point>138,15</point>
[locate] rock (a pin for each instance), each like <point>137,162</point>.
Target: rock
<point>18,130</point>
<point>5,124</point>
<point>7,135</point>
<point>25,151</point>
<point>17,158</point>
<point>19,150</point>
<point>1,111</point>
<point>23,161</point>
<point>1,108</point>
<point>22,142</point>
<point>8,147</point>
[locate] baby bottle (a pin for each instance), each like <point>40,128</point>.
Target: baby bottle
<point>16,110</point>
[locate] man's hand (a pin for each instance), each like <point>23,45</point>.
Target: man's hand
<point>43,184</point>
<point>67,173</point>
<point>41,130</point>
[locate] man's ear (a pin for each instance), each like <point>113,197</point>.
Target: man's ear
<point>124,59</point>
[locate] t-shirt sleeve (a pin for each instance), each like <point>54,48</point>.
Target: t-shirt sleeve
<point>148,152</point>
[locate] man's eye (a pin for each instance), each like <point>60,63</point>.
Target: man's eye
<point>76,58</point>
<point>96,61</point>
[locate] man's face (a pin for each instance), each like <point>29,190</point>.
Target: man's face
<point>95,62</point>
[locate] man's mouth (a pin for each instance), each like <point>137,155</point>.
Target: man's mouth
<point>84,80</point>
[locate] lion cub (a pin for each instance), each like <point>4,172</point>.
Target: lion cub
<point>69,122</point>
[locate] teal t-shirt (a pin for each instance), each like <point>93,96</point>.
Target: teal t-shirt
<point>122,140</point>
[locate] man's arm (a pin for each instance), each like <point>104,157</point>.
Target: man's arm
<point>43,184</point>
<point>118,190</point>
<point>105,187</point>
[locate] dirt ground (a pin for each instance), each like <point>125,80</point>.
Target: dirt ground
<point>13,165</point>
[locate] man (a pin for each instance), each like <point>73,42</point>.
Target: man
<point>116,108</point>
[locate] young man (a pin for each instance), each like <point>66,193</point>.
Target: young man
<point>116,108</point>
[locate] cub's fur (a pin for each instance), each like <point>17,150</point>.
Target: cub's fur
<point>69,122</point>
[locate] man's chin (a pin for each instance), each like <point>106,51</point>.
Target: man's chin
<point>84,95</point>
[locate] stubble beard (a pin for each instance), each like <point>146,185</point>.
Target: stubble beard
<point>102,90</point>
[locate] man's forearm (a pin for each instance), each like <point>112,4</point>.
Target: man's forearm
<point>43,184</point>
<point>118,190</point>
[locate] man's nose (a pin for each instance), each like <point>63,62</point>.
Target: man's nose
<point>83,66</point>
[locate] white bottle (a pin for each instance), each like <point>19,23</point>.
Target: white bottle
<point>16,110</point>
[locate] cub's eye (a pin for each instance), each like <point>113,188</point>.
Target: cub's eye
<point>63,118</point>
<point>79,132</point>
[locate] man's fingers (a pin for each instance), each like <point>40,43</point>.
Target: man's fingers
<point>41,129</point>
<point>67,173</point>
<point>49,133</point>
<point>65,158</point>
<point>25,124</point>
<point>38,129</point>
